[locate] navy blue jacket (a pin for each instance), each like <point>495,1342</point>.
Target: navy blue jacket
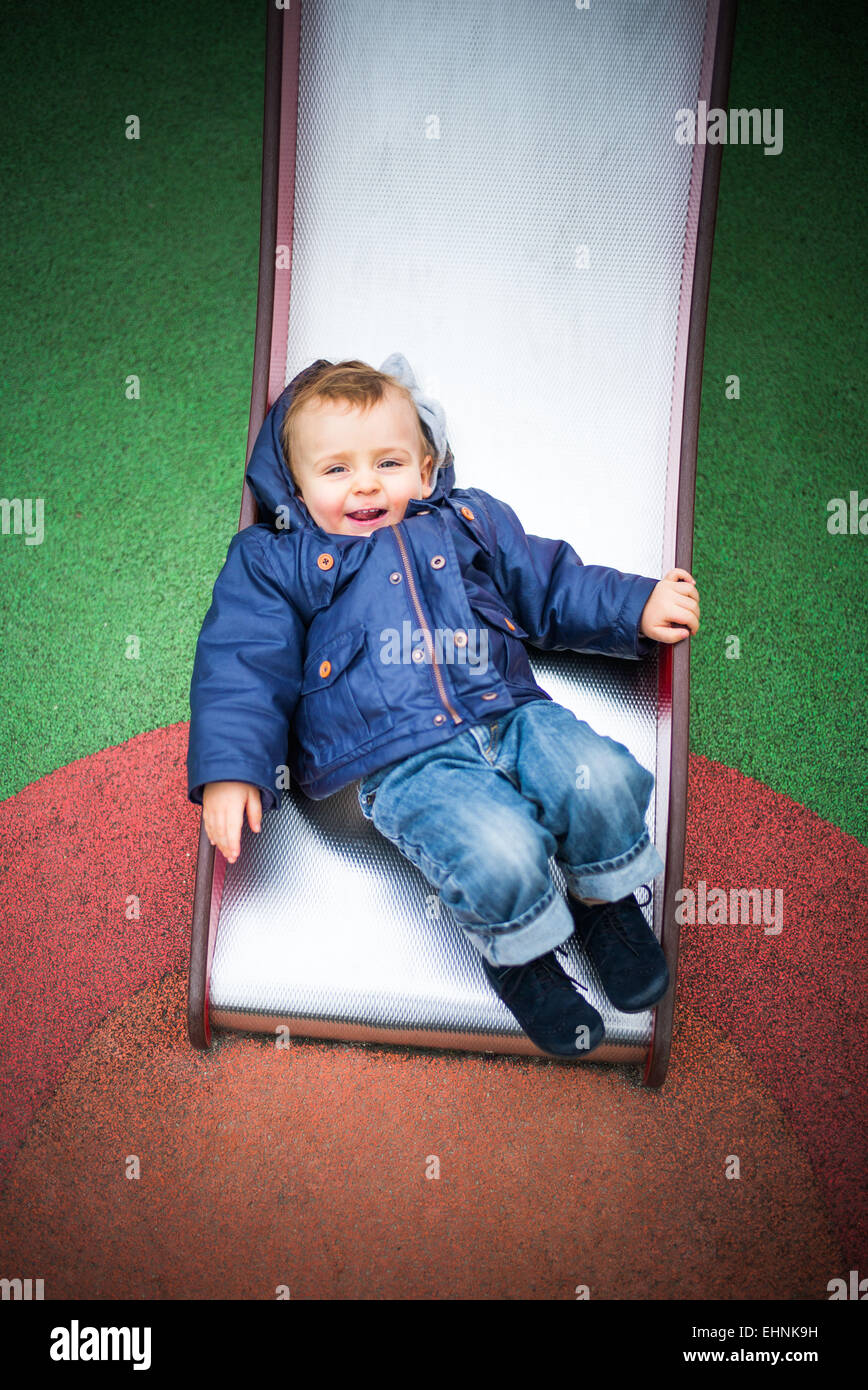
<point>334,655</point>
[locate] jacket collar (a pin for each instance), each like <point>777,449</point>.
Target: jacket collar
<point>274,489</point>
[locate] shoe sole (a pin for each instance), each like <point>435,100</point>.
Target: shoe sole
<point>632,1007</point>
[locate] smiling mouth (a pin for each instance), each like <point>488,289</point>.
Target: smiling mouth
<point>367,514</point>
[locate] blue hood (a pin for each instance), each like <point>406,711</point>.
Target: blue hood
<point>270,480</point>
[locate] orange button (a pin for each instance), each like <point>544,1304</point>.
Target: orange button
<point>325,561</point>
<point>510,625</point>
<point>465,511</point>
<point>324,668</point>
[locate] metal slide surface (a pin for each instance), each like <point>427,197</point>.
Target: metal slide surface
<point>495,190</point>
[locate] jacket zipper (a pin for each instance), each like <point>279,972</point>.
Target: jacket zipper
<point>435,665</point>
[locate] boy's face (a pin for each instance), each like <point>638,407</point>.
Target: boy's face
<point>348,461</point>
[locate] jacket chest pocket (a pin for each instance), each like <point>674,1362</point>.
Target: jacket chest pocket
<point>503,638</point>
<point>341,705</point>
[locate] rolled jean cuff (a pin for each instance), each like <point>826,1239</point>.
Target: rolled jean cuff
<point>514,945</point>
<point>612,879</point>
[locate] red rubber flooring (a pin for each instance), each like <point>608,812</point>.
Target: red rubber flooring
<point>307,1166</point>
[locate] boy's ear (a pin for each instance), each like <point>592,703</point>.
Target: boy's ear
<point>427,465</point>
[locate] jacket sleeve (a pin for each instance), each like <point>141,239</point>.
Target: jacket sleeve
<point>561,602</point>
<point>246,676</point>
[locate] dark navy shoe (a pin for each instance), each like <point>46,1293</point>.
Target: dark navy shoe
<point>625,951</point>
<point>541,996</point>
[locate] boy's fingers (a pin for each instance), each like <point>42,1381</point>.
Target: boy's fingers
<point>227,838</point>
<point>685,605</point>
<point>225,817</point>
<point>689,620</point>
<point>225,848</point>
<point>685,612</point>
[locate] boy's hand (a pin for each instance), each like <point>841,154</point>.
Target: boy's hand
<point>223,806</point>
<point>672,611</point>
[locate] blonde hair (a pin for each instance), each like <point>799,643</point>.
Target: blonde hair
<point>357,384</point>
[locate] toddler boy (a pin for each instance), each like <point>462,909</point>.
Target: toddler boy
<point>468,767</point>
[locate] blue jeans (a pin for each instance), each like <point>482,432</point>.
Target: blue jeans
<point>481,815</point>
